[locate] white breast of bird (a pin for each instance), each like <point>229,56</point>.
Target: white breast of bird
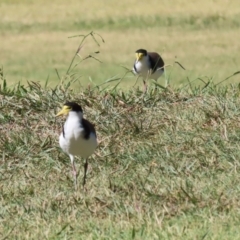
<point>142,66</point>
<point>144,70</point>
<point>73,141</point>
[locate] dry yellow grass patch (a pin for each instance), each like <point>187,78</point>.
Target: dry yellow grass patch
<point>34,37</point>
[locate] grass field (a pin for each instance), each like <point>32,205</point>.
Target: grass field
<point>167,165</point>
<point>201,35</point>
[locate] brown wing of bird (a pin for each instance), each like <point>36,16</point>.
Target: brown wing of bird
<point>155,61</point>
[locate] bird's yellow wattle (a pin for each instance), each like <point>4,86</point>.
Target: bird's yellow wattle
<point>65,110</point>
<point>139,56</point>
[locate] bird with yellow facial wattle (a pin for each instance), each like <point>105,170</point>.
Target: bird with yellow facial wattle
<point>148,65</point>
<point>78,137</point>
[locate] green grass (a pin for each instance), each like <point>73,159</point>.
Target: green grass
<point>167,165</point>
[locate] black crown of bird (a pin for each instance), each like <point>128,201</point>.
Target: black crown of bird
<point>72,106</point>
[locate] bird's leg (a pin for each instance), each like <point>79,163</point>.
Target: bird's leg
<point>144,86</point>
<point>85,172</point>
<point>74,171</point>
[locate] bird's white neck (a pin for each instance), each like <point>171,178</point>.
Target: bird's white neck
<point>144,61</point>
<point>75,115</point>
<point>143,64</point>
<point>73,122</point>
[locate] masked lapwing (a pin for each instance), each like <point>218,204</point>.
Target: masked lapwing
<point>78,137</point>
<point>148,65</point>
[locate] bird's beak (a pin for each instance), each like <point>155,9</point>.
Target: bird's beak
<point>64,111</point>
<point>138,56</point>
